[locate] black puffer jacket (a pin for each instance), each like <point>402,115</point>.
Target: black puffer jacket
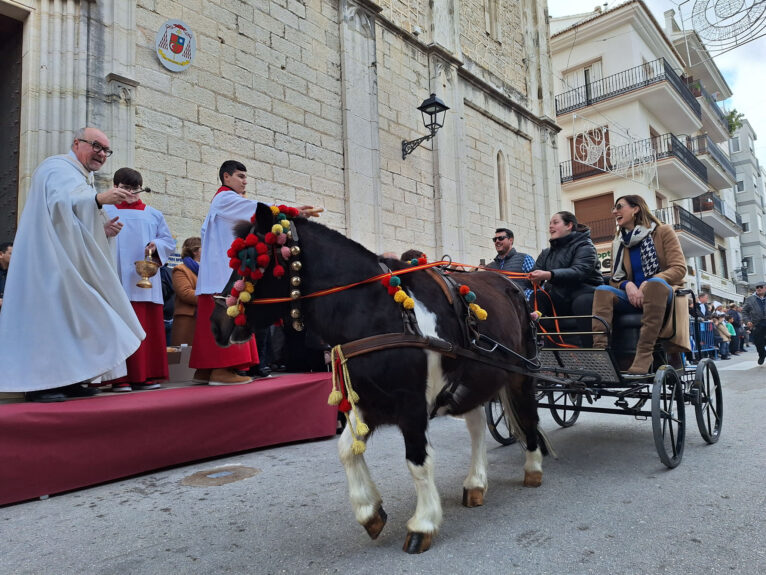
<point>573,261</point>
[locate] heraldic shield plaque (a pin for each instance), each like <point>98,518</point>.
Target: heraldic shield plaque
<point>175,45</point>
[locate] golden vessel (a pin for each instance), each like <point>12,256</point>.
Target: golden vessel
<point>146,269</point>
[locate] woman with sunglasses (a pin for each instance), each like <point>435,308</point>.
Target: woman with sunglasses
<point>568,272</point>
<point>648,265</point>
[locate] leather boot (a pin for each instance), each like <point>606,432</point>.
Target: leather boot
<point>603,306</point>
<point>655,306</point>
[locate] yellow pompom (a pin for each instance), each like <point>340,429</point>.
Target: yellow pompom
<point>232,311</point>
<point>481,314</point>
<point>353,396</point>
<point>473,307</point>
<point>276,229</point>
<point>244,297</point>
<point>249,287</point>
<point>362,429</point>
<point>335,397</point>
<point>400,296</point>
<point>285,224</point>
<point>358,447</point>
<point>275,210</point>
<point>409,303</point>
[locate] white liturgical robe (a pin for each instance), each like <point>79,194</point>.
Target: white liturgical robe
<point>226,209</point>
<point>139,228</point>
<point>65,316</point>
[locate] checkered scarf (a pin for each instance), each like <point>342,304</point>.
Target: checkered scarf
<point>641,237</point>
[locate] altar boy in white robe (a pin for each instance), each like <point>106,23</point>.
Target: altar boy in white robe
<point>145,234</point>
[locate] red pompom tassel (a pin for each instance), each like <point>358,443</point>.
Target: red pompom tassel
<point>386,281</point>
<point>464,290</point>
<point>234,292</point>
<point>279,271</point>
<point>238,244</point>
<point>393,289</point>
<point>241,319</point>
<point>234,263</point>
<point>270,238</point>
<point>344,404</point>
<point>422,260</point>
<point>255,275</point>
<point>261,248</point>
<point>262,261</point>
<point>251,240</point>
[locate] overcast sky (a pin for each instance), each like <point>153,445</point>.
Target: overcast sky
<point>744,67</point>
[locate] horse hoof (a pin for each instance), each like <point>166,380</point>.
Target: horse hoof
<point>417,542</point>
<point>533,478</point>
<point>376,523</point>
<point>473,497</point>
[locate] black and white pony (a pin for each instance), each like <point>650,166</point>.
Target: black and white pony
<point>402,386</point>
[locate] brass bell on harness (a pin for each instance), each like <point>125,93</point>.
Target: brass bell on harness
<point>295,281</point>
<point>298,325</point>
<point>295,250</point>
<point>295,313</point>
<point>295,294</point>
<point>296,266</point>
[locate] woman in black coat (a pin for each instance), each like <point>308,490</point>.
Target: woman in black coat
<point>568,272</point>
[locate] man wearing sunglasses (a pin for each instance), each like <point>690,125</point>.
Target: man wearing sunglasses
<point>754,315</point>
<point>508,259</point>
<point>66,319</point>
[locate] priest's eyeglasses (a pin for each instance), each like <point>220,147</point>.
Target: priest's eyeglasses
<point>97,147</point>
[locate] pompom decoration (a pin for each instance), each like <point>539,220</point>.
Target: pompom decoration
<point>239,285</point>
<point>282,239</point>
<point>362,428</point>
<point>413,262</point>
<point>274,210</point>
<point>232,311</point>
<point>358,447</point>
<point>344,405</point>
<point>336,396</point>
<point>422,260</point>
<point>244,297</point>
<point>230,301</point>
<point>279,271</point>
<point>234,263</point>
<point>464,289</point>
<point>481,314</point>
<point>285,252</point>
<point>251,240</point>
<point>262,260</point>
<point>249,287</point>
<point>241,319</point>
<point>395,281</point>
<point>408,303</point>
<point>470,297</point>
<point>261,248</point>
<point>393,289</point>
<point>276,229</point>
<point>400,296</point>
<point>255,275</point>
<point>270,238</point>
<point>344,396</point>
<point>353,396</point>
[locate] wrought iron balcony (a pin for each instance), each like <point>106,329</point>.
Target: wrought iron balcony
<point>624,82</point>
<point>714,211</point>
<point>684,220</point>
<point>602,230</point>
<point>665,146</point>
<point>700,92</point>
<point>704,145</point>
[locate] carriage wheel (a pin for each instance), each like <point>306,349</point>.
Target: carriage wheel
<point>565,407</point>
<point>496,423</point>
<point>709,408</point>
<point>668,416</point>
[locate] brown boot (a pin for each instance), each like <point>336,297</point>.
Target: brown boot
<point>603,306</point>
<point>655,306</point>
<point>227,377</point>
<point>201,375</point>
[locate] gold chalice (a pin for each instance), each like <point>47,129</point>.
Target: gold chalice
<point>146,269</point>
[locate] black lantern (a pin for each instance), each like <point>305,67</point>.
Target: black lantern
<point>433,111</point>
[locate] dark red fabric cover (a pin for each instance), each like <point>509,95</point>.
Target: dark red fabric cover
<point>55,447</point>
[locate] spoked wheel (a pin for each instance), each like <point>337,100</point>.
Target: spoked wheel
<point>709,407</point>
<point>668,416</point>
<point>496,423</point>
<point>565,407</point>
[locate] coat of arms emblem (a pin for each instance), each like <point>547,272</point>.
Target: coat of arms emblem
<point>175,45</point>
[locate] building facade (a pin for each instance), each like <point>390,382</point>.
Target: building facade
<point>751,203</point>
<point>315,97</point>
<point>639,116</point>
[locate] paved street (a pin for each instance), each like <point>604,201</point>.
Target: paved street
<point>607,505</point>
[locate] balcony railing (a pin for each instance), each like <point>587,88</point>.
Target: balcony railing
<point>683,220</point>
<point>664,146</point>
<point>602,230</point>
<point>700,92</point>
<point>710,202</point>
<point>704,145</point>
<point>624,82</point>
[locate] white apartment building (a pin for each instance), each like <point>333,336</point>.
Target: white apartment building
<point>638,112</point>
<point>751,202</point>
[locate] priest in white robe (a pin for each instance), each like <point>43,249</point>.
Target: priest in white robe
<point>145,234</point>
<point>66,319</point>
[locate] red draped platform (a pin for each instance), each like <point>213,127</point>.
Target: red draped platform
<point>55,447</point>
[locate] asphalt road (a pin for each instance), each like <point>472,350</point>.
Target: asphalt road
<point>607,505</point>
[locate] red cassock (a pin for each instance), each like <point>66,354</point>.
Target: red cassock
<point>150,361</point>
<point>207,354</point>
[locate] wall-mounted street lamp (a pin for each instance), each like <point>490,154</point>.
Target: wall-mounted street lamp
<point>433,111</point>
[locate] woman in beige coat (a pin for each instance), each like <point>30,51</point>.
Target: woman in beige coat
<point>184,284</point>
<point>648,265</point>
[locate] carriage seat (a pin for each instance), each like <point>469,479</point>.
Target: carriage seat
<point>625,333</point>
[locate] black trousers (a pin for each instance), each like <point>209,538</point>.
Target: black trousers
<point>758,335</point>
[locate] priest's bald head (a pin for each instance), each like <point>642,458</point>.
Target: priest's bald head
<point>91,146</point>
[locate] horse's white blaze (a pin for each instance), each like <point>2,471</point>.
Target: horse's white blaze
<point>476,421</point>
<point>362,492</point>
<point>435,380</point>
<point>428,512</point>
<point>534,461</point>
